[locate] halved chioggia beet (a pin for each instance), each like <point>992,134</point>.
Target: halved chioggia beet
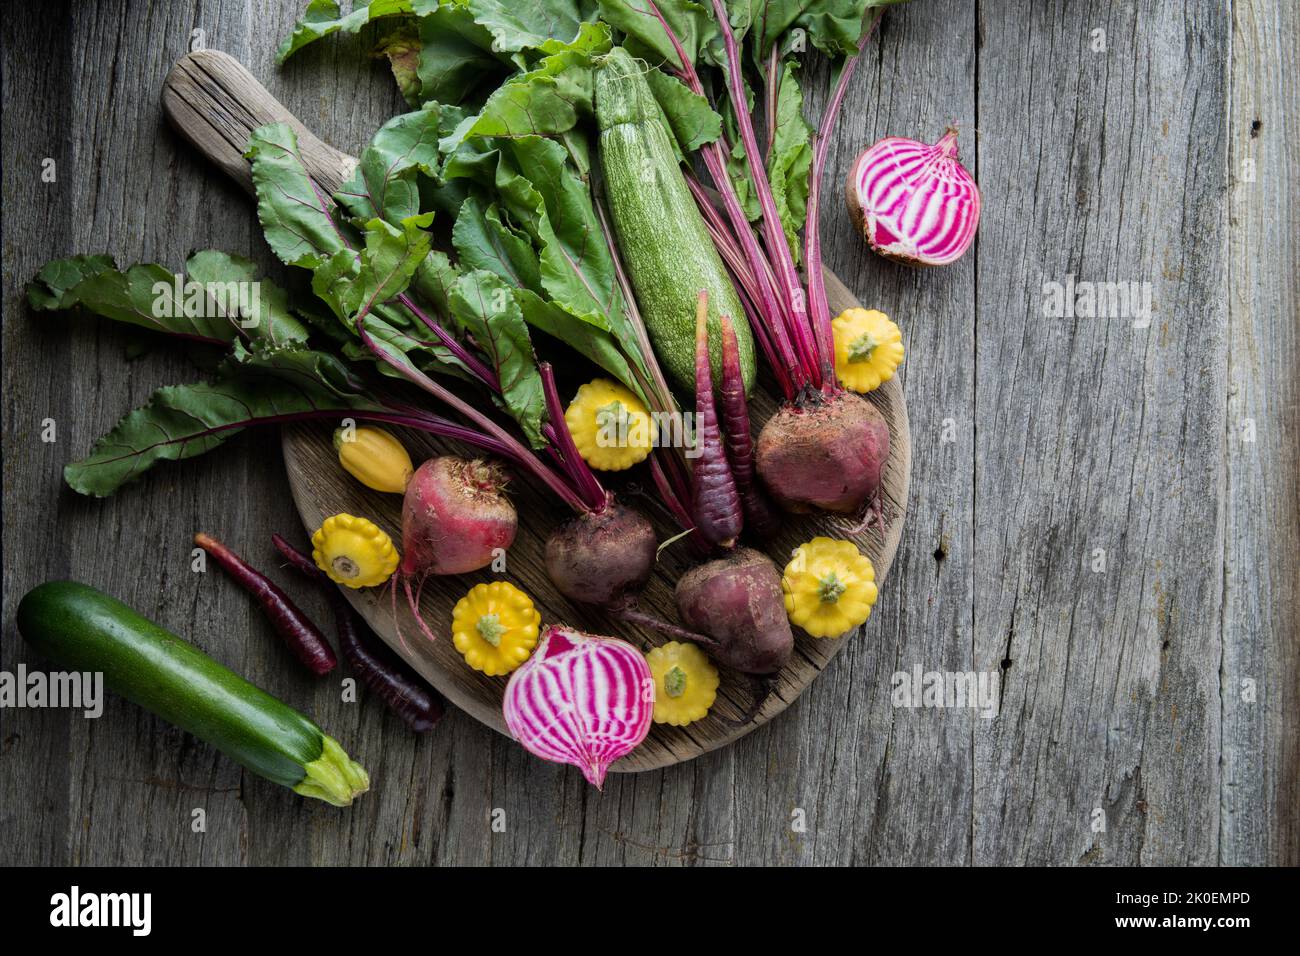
<point>914,203</point>
<point>581,699</point>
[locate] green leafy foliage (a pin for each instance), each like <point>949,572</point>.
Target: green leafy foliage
<point>385,184</point>
<point>553,97</point>
<point>456,59</point>
<point>221,298</point>
<point>324,17</point>
<point>691,121</point>
<point>358,276</point>
<point>355,283</point>
<point>484,306</point>
<point>644,35</point>
<point>790,157</point>
<point>518,25</point>
<point>593,342</point>
<point>182,421</point>
<point>484,240</point>
<point>295,214</point>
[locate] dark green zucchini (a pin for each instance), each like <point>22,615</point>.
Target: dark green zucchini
<point>83,629</point>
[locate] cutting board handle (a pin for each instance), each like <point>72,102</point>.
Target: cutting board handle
<point>215,103</point>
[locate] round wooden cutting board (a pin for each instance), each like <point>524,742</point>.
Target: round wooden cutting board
<point>321,488</point>
<point>215,103</point>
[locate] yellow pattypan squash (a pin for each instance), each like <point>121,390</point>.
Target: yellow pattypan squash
<point>868,348</point>
<point>686,683</point>
<point>495,627</point>
<point>610,426</point>
<point>829,587</point>
<point>374,457</point>
<point>353,551</point>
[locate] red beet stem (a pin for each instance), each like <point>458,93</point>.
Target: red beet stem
<point>718,515</point>
<point>818,308</point>
<point>303,637</point>
<point>760,514</point>
<point>388,677</point>
<point>580,475</point>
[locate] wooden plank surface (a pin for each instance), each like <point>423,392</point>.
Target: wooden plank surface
<point>1038,441</point>
<point>1260,624</point>
<point>1100,440</point>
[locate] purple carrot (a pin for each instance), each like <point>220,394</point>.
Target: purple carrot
<point>760,515</point>
<point>718,515</point>
<point>303,637</point>
<point>300,561</point>
<point>402,691</point>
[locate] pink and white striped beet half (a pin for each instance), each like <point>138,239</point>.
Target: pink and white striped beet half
<point>581,699</point>
<point>914,203</point>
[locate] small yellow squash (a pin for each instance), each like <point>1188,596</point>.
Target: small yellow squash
<point>686,683</point>
<point>495,627</point>
<point>610,426</point>
<point>829,587</point>
<point>374,457</point>
<point>354,552</point>
<point>868,349</point>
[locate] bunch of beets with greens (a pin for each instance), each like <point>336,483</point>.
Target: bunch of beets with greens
<point>505,149</point>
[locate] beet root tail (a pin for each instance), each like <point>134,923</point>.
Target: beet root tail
<point>873,513</point>
<point>634,615</point>
<point>763,686</point>
<point>413,602</point>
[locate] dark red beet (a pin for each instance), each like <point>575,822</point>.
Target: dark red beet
<point>827,455</point>
<point>737,602</point>
<point>602,557</point>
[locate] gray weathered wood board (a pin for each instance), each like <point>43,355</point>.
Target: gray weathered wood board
<point>1160,691</point>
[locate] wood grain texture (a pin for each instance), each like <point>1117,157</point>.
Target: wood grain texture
<point>212,100</point>
<point>1260,624</point>
<point>1099,440</point>
<point>1069,436</point>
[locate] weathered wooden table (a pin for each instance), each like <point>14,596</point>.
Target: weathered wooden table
<point>1104,510</point>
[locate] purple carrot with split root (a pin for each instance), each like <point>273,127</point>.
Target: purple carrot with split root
<point>760,514</point>
<point>718,515</point>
